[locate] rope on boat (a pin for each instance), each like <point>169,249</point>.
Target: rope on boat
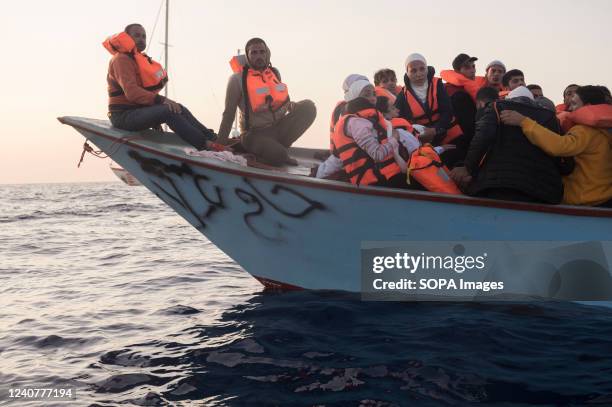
<point>114,147</point>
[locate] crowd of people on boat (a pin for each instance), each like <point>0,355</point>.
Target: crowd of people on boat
<point>487,136</point>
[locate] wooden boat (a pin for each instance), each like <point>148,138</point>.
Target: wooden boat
<point>293,231</point>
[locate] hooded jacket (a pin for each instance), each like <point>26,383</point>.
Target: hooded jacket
<point>501,157</point>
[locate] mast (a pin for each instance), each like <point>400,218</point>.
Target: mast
<point>235,131</point>
<point>166,46</point>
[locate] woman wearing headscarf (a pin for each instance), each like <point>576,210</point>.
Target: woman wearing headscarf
<point>363,140</point>
<point>423,100</point>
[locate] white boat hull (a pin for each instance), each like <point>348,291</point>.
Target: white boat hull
<point>306,233</point>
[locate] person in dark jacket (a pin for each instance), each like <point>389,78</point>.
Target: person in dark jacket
<point>427,92</point>
<point>501,163</point>
<point>464,107</point>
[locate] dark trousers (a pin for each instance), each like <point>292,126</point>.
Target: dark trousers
<point>183,124</point>
<point>270,144</point>
<point>454,158</point>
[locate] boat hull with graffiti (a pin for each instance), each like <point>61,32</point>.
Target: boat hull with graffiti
<point>290,230</point>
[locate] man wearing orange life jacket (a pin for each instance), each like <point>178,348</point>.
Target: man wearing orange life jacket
<point>385,84</point>
<point>424,101</point>
<point>462,85</point>
<point>134,81</point>
<point>457,83</point>
<point>270,122</point>
<point>462,79</point>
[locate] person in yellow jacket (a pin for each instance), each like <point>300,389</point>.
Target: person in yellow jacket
<point>591,181</point>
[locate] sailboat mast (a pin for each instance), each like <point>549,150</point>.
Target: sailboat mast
<point>166,45</point>
<point>236,117</point>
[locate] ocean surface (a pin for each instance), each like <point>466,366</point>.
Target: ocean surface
<point>104,289</point>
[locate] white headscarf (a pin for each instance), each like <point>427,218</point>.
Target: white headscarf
<point>355,89</point>
<point>350,79</point>
<point>415,57</point>
<point>521,91</point>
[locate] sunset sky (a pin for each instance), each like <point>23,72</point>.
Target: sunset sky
<point>54,65</point>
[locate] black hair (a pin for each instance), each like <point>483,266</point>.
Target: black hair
<point>383,74</point>
<point>605,90</point>
<point>570,86</point>
<point>382,104</point>
<point>591,95</point>
<point>534,86</point>
<point>130,26</point>
<point>510,74</point>
<point>487,94</point>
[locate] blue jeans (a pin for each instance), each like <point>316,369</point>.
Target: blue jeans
<point>183,124</point>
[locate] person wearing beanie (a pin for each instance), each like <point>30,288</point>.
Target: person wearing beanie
<point>502,164</point>
<point>364,141</point>
<point>494,72</point>
<point>269,121</point>
<point>590,183</point>
<point>424,101</point>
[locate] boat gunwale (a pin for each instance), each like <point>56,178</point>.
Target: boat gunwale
<point>301,180</point>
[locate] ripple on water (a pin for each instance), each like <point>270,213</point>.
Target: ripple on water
<point>108,290</point>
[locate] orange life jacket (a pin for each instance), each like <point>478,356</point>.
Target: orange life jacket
<point>420,116</point>
<point>591,115</point>
<point>380,91</point>
<point>561,108</point>
<point>470,86</point>
<point>359,166</point>
<point>401,123</point>
<point>265,90</point>
<point>152,74</point>
<point>335,116</point>
<point>238,62</point>
<point>426,168</point>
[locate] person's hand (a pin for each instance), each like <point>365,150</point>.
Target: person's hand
<point>172,105</point>
<point>461,177</point>
<point>511,118</point>
<point>419,129</point>
<point>446,147</point>
<point>427,135</point>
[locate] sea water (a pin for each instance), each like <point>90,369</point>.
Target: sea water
<point>105,290</point>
